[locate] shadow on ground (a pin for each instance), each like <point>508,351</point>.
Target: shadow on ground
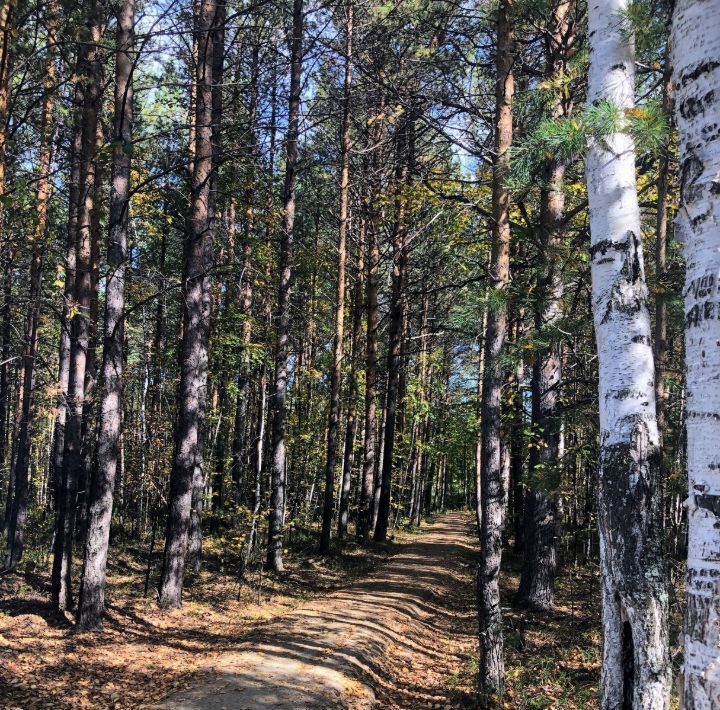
<point>399,638</point>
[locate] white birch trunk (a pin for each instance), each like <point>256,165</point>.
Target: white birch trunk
<point>696,62</point>
<point>635,669</point>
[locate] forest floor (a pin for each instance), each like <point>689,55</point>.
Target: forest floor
<point>393,626</point>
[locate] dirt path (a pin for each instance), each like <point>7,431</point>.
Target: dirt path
<point>401,638</point>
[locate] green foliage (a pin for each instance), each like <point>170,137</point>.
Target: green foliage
<point>564,140</point>
<point>641,21</point>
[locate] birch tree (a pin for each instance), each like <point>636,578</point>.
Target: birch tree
<point>696,65</point>
<point>635,667</point>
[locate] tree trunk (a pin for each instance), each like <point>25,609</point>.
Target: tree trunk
<point>279,396</point>
<point>246,291</point>
<point>365,508</point>
<point>696,66</point>
<point>56,462</point>
<point>394,357</point>
<point>100,500</point>
<point>635,669</point>
<point>336,373</point>
<point>22,464</point>
<point>7,248</point>
<point>492,667</point>
<point>661,245</point>
<point>543,505</point>
<point>90,76</point>
<point>194,550</point>
<point>89,426</point>
<point>196,322</point>
<point>351,425</point>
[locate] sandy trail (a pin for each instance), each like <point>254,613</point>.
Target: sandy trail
<point>398,639</point>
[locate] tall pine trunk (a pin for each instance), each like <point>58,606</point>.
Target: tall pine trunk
<point>240,444</point>
<point>336,372</point>
<point>635,668</point>
<point>543,505</point>
<point>192,393</point>
<point>282,354</point>
<point>696,66</point>
<point>492,666</point>
<point>90,77</point>
<point>6,249</point>
<point>372,220</point>
<point>351,424</point>
<point>217,29</point>
<point>394,356</point>
<point>63,377</point>
<point>100,500</point>
<point>27,377</point>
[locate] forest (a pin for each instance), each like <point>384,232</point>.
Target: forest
<point>360,353</point>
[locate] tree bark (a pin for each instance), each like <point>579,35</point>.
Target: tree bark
<point>372,218</point>
<point>696,65</point>
<point>194,550</point>
<point>279,396</point>
<point>635,668</point>
<point>192,394</point>
<point>91,605</point>
<point>351,425</point>
<point>492,667</point>
<point>63,378</point>
<point>27,377</point>
<point>661,245</point>
<point>246,291</point>
<point>90,76</point>
<point>394,357</point>
<point>336,372</point>
<point>543,504</point>
<point>7,249</point>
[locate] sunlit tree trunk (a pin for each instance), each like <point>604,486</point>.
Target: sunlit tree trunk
<point>70,264</point>
<point>28,366</point>
<point>661,276</point>
<point>336,372</point>
<point>240,446</point>
<point>635,668</point>
<point>90,77</point>
<point>395,335</point>
<point>492,666</point>
<point>372,215</point>
<point>351,425</point>
<point>217,29</point>
<point>192,393</point>
<point>6,248</point>
<point>280,379</point>
<point>100,500</point>
<point>696,67</point>
<point>543,505</point>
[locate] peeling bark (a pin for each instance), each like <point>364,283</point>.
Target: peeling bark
<point>696,66</point>
<point>635,668</point>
